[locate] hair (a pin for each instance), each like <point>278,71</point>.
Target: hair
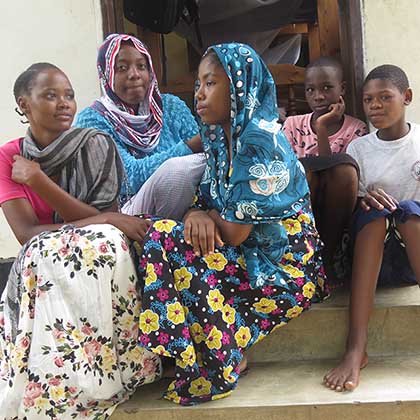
<point>392,73</point>
<point>25,82</point>
<point>327,61</point>
<point>212,56</point>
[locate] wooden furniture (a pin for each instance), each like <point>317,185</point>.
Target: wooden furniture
<point>322,37</point>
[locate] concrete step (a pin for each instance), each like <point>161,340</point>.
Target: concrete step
<point>321,332</point>
<point>389,390</point>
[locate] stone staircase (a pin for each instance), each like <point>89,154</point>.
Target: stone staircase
<point>286,370</point>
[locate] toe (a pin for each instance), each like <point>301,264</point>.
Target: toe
<point>350,385</point>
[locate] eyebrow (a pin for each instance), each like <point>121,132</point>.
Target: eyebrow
<point>210,73</point>
<point>381,91</point>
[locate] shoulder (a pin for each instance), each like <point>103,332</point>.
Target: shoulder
<point>361,143</point>
<point>415,130</point>
<point>296,121</point>
<point>359,127</point>
<point>89,117</point>
<point>10,148</point>
<point>172,103</point>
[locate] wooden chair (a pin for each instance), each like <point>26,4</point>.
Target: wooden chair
<point>322,36</point>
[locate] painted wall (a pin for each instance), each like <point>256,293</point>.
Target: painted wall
<point>391,36</point>
<point>65,33</point>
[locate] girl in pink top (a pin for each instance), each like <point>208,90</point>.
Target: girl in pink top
<point>320,140</point>
<point>69,313</point>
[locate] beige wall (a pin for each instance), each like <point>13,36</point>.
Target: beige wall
<point>63,32</point>
<point>392,36</point>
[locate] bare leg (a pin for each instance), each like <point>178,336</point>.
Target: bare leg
<point>410,233</point>
<point>368,253</point>
<point>243,365</point>
<point>338,202</point>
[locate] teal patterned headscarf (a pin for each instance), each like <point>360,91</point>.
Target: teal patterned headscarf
<point>265,182</point>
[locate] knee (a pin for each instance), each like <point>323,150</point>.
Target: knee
<point>344,175</point>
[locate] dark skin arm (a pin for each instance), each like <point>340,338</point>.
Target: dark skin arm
<point>232,233</point>
<point>322,123</point>
<point>194,143</point>
<point>207,230</point>
<point>29,173</point>
<point>379,200</point>
<point>25,224</point>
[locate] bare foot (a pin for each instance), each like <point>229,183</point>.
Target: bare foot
<point>345,377</point>
<point>243,365</point>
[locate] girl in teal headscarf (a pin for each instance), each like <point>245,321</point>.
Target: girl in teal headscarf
<point>247,258</point>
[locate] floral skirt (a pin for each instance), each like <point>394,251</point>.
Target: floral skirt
<point>202,312</point>
<point>74,352</point>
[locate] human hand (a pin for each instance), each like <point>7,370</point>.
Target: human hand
<point>379,200</point>
<point>25,171</point>
<point>201,232</point>
<point>334,114</point>
<point>133,227</point>
<point>194,143</point>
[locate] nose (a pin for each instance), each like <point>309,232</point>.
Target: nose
<point>133,72</point>
<point>63,103</point>
<point>199,93</point>
<point>319,95</point>
<point>375,104</point>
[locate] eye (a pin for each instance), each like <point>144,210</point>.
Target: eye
<point>50,95</point>
<point>70,96</point>
<point>309,90</point>
<point>210,83</point>
<point>142,67</point>
<point>325,88</point>
<point>121,67</point>
<point>367,100</point>
<point>385,97</point>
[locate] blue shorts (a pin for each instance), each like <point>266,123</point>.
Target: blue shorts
<point>395,269</point>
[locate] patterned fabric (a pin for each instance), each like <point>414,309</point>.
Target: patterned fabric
<point>206,311</point>
<point>87,161</point>
<point>396,269</point>
<point>203,311</point>
<point>76,352</point>
<point>304,141</point>
<point>178,126</point>
<point>139,131</point>
<point>265,181</point>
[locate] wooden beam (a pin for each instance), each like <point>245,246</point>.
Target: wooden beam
<point>153,42</point>
<point>328,26</point>
<point>283,75</point>
<point>351,34</point>
<point>112,17</point>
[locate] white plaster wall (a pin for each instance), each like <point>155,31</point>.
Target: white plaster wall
<point>64,32</point>
<point>391,36</point>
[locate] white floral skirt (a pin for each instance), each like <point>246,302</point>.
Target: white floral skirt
<point>74,350</point>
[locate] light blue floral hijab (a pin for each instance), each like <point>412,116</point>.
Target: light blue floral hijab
<point>265,182</point>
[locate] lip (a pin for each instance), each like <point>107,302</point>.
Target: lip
<point>135,87</point>
<point>201,109</point>
<point>63,117</point>
<point>321,107</point>
<point>375,116</point>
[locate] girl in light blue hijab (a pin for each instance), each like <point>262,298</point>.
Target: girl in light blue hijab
<point>247,257</point>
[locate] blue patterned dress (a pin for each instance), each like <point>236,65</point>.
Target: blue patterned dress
<point>207,311</point>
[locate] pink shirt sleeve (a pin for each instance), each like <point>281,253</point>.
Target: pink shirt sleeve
<point>297,130</point>
<point>11,190</point>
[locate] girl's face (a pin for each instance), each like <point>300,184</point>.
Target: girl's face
<point>132,76</point>
<point>323,87</point>
<point>384,104</point>
<point>50,107</point>
<point>213,94</point>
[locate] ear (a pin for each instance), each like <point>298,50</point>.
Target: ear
<point>23,105</point>
<point>343,88</point>
<point>408,96</point>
